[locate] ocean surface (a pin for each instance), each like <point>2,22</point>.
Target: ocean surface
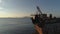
<point>16,26</point>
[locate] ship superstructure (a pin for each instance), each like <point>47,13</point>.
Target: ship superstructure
<point>42,19</point>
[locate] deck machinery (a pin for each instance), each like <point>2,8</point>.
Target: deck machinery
<point>41,18</point>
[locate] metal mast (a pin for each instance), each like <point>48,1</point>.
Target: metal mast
<point>39,10</point>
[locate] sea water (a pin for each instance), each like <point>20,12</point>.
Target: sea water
<point>16,26</point>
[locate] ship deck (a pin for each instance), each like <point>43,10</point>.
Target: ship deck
<point>53,27</point>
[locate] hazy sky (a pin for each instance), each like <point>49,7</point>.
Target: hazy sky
<point>21,8</point>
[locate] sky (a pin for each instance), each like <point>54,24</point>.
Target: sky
<point>22,8</point>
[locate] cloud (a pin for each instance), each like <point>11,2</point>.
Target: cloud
<point>0,1</point>
<point>1,8</point>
